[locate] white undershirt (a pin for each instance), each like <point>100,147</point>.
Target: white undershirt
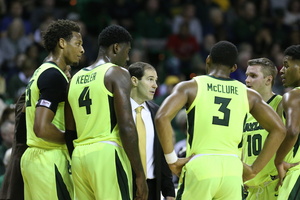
<point>146,115</point>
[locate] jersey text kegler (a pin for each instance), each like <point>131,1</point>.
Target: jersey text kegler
<point>86,78</point>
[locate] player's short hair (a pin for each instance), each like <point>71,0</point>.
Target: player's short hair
<point>224,53</point>
<point>113,34</point>
<point>293,51</point>
<point>268,68</point>
<point>137,69</point>
<point>59,29</point>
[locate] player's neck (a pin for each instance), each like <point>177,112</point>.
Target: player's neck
<point>57,60</point>
<point>219,71</point>
<point>266,95</point>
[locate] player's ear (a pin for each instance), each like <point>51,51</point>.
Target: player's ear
<point>208,60</point>
<point>115,48</point>
<point>61,43</point>
<point>269,80</point>
<point>208,63</point>
<point>233,68</point>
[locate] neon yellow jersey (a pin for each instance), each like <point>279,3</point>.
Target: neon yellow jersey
<point>92,107</point>
<point>253,140</point>
<point>216,117</point>
<point>32,97</point>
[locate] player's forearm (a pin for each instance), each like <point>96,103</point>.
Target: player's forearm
<point>285,147</point>
<point>129,140</point>
<point>50,133</point>
<point>165,133</point>
<point>271,145</point>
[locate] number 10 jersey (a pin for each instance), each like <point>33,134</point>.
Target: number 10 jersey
<point>254,137</point>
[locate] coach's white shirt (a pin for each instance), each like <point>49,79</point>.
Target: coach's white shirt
<point>146,115</point>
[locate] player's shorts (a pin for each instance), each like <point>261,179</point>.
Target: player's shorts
<point>265,191</point>
<point>290,189</point>
<point>211,177</point>
<point>101,171</point>
<point>46,174</point>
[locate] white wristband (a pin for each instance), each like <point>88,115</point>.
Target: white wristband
<point>171,157</point>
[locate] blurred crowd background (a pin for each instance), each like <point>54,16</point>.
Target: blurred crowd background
<point>175,36</point>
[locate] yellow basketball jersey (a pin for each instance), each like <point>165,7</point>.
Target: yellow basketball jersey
<point>92,107</point>
<point>216,117</point>
<point>254,137</point>
<point>32,97</point>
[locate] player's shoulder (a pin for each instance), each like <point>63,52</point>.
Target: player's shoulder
<point>188,84</point>
<point>293,94</point>
<point>252,93</point>
<point>253,97</point>
<point>51,75</point>
<point>117,72</point>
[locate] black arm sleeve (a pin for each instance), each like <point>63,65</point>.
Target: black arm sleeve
<point>53,89</point>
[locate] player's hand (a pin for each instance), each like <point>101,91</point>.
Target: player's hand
<point>282,169</point>
<point>141,188</point>
<point>177,166</point>
<point>247,172</point>
<point>245,191</point>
